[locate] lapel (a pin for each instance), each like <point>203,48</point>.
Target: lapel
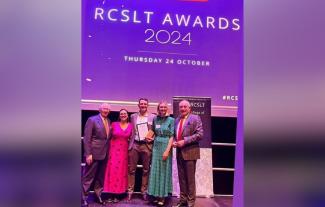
<point>101,124</point>
<point>135,117</point>
<point>186,122</point>
<point>176,122</point>
<point>175,125</point>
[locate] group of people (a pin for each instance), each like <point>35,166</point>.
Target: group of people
<point>112,152</point>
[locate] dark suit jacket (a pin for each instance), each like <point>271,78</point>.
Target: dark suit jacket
<point>95,138</point>
<point>192,133</point>
<point>133,119</point>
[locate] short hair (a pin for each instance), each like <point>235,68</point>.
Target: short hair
<point>186,101</point>
<point>143,99</point>
<point>102,105</point>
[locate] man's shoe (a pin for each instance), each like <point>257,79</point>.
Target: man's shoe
<point>100,201</point>
<point>84,203</point>
<point>180,204</point>
<point>129,196</point>
<point>145,197</point>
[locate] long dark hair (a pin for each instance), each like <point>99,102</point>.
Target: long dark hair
<point>126,112</point>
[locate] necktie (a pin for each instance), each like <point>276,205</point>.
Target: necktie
<point>179,133</point>
<point>106,127</point>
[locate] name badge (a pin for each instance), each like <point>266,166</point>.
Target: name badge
<point>157,126</point>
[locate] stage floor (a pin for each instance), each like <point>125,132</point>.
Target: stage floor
<point>217,201</point>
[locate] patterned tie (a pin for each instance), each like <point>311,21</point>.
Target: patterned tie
<point>179,133</point>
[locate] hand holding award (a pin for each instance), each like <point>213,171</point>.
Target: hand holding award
<point>150,136</point>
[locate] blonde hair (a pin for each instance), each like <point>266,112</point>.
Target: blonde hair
<point>163,102</point>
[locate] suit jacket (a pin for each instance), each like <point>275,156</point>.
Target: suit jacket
<point>95,138</point>
<point>192,133</point>
<point>133,119</point>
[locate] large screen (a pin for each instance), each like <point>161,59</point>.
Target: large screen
<point>162,48</point>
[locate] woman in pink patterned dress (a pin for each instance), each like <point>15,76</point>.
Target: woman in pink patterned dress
<point>116,180</point>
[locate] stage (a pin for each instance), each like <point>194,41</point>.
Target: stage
<point>217,201</point>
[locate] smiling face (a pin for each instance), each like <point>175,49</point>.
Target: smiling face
<point>124,115</point>
<point>104,110</point>
<point>184,108</point>
<point>143,106</point>
<point>162,109</point>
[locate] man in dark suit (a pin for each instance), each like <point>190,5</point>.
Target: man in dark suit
<point>97,132</point>
<point>188,132</point>
<point>140,146</point>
